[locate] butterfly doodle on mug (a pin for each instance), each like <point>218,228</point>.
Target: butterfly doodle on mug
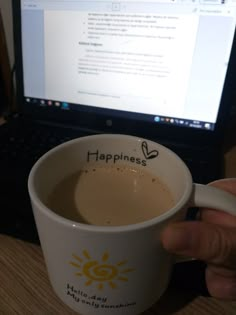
<point>100,272</point>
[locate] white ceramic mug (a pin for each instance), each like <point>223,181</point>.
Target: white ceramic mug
<point>113,270</point>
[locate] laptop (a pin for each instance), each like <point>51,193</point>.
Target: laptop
<point>163,70</point>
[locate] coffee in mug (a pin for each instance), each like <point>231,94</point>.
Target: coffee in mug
<point>110,195</point>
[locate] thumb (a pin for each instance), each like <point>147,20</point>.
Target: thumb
<point>204,241</point>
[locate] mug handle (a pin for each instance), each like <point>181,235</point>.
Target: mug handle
<point>213,198</point>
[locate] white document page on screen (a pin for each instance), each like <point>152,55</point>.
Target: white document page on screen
<point>132,62</point>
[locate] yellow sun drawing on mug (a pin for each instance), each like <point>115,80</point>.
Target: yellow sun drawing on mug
<point>101,272</point>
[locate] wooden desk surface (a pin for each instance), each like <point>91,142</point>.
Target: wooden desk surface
<point>25,287</point>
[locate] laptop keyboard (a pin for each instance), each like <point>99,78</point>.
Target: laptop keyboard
<point>26,145</point>
<point>20,147</point>
<point>29,143</point>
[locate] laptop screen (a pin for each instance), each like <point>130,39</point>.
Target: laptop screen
<point>163,61</point>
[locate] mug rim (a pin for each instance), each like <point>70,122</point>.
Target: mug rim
<point>108,229</point>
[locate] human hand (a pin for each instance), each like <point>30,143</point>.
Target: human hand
<point>213,240</point>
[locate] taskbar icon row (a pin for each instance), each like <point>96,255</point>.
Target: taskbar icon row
<point>49,103</point>
<point>184,122</point>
